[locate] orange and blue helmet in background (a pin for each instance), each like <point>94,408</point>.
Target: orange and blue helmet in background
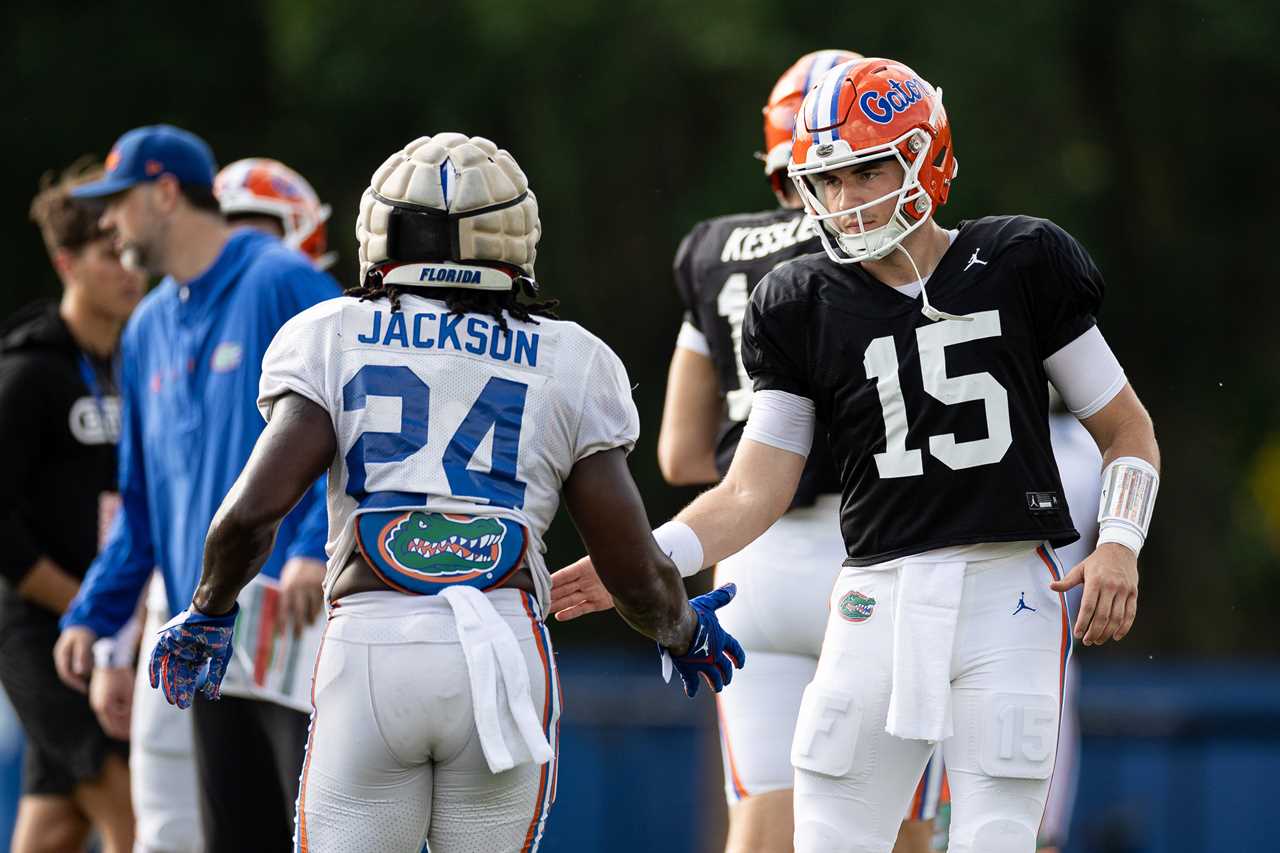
<point>864,110</point>
<point>259,186</point>
<point>784,103</point>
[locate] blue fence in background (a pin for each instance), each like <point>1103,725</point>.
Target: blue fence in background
<point>1176,757</point>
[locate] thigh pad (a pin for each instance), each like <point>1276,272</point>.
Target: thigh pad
<point>826,731</point>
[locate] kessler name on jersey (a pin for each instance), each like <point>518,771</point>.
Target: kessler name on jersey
<point>441,331</point>
<point>760,241</point>
<point>717,267</point>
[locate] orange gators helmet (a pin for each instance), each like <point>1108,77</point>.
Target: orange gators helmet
<point>265,187</point>
<point>870,110</point>
<point>784,103</point>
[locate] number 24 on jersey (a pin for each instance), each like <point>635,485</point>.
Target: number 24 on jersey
<point>499,407</point>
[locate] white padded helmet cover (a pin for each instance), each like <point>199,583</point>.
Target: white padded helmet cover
<point>455,174</point>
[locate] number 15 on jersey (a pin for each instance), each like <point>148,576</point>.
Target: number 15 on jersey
<point>881,363</point>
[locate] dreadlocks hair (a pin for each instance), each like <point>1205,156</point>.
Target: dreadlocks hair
<point>461,300</point>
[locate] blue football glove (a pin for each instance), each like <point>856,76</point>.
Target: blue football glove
<point>192,654</point>
<point>713,653</point>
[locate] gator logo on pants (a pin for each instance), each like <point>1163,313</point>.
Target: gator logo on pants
<point>856,607</point>
<point>446,545</point>
<point>424,552</point>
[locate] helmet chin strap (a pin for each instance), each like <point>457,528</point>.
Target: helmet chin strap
<point>928,310</point>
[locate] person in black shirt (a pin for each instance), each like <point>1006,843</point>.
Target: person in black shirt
<point>947,623</point>
<point>59,420</point>
<point>784,578</point>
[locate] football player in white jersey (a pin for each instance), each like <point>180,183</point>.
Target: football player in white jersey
<point>947,623</point>
<point>450,416</point>
<point>785,577</point>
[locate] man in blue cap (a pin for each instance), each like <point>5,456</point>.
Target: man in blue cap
<point>191,358</point>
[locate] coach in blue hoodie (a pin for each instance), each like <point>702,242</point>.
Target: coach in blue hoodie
<point>190,362</point>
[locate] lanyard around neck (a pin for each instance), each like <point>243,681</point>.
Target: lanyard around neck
<point>90,377</point>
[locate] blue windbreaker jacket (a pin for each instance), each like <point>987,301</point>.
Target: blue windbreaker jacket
<point>191,356</point>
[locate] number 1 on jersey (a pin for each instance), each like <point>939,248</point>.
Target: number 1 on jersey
<point>731,304</point>
<point>881,363</point>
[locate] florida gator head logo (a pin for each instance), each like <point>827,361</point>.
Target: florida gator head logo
<point>856,607</point>
<point>424,552</point>
<point>445,544</point>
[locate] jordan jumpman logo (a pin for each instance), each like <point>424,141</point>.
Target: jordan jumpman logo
<point>1022,605</point>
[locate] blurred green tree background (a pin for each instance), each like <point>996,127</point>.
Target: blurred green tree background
<point>1148,129</point>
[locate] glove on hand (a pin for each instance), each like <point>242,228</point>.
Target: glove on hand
<point>192,655</point>
<point>713,653</point>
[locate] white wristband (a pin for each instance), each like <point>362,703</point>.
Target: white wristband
<point>678,541</point>
<point>1129,487</point>
<point>1121,534</point>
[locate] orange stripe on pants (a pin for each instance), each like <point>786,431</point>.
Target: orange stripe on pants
<point>738,788</point>
<point>1066,627</point>
<point>546,726</point>
<point>311,734</point>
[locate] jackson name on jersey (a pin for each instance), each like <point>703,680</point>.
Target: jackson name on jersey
<point>451,414</point>
<point>939,430</point>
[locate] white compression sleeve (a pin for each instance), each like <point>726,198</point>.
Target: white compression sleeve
<point>782,420</point>
<point>1086,374</point>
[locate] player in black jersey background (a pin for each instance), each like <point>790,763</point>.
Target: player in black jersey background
<point>947,623</point>
<point>785,576</point>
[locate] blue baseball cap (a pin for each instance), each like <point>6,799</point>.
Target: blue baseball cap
<point>145,153</point>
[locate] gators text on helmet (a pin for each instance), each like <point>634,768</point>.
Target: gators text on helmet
<point>865,110</point>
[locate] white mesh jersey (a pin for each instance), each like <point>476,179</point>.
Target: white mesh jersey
<point>448,413</point>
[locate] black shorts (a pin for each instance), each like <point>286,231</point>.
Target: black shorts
<point>65,744</point>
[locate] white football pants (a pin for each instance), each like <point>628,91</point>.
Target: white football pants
<point>1011,642</point>
<point>162,761</point>
<point>394,756</point>
<point>779,615</point>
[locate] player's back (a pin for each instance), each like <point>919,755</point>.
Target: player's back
<point>718,265</point>
<point>455,435</point>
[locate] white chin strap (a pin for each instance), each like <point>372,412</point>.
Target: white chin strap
<point>927,310</point>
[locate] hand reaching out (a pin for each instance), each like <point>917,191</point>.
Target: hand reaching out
<point>576,590</point>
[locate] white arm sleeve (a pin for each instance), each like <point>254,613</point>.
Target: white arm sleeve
<point>782,420</point>
<point>1086,374</point>
<point>692,339</point>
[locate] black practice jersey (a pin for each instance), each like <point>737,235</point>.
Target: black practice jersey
<point>939,430</point>
<point>718,265</point>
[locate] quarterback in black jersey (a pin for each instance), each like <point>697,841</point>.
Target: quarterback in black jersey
<point>784,577</point>
<point>947,623</point>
